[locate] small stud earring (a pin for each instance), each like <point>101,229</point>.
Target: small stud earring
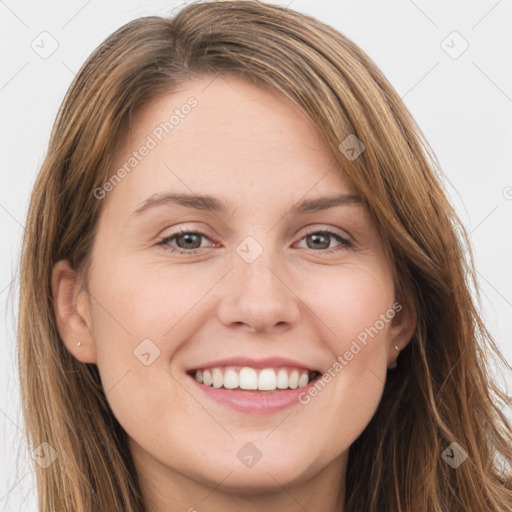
<point>79,343</point>
<point>395,364</point>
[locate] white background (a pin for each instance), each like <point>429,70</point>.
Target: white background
<point>463,105</point>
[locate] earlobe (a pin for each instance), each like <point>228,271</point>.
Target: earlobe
<point>401,331</point>
<point>72,312</point>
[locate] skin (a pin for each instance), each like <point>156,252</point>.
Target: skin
<point>253,149</point>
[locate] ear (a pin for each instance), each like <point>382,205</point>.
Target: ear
<point>402,327</point>
<point>72,309</point>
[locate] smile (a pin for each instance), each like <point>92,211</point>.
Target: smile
<point>254,379</point>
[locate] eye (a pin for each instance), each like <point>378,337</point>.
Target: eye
<point>189,242</point>
<point>322,240</point>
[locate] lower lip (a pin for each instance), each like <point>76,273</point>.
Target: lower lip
<point>254,402</point>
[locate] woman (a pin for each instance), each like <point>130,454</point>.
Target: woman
<point>316,347</point>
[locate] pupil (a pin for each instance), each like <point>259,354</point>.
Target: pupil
<point>187,238</point>
<point>317,236</point>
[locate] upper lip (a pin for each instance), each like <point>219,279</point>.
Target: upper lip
<point>268,362</point>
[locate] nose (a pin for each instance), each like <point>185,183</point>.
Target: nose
<point>257,297</point>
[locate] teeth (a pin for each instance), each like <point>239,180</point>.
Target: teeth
<point>282,379</point>
<point>218,378</point>
<point>248,378</point>
<point>207,378</point>
<point>303,380</point>
<point>268,379</point>
<point>230,379</point>
<point>293,379</point>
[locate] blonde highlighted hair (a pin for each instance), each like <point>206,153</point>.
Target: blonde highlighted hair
<point>442,390</point>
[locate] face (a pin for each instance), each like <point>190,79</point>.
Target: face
<point>262,286</point>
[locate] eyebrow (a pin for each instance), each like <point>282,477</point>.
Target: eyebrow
<point>212,204</point>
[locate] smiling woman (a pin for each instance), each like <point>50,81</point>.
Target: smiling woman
<point>258,303</point>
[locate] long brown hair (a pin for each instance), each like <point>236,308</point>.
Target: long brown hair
<point>442,391</point>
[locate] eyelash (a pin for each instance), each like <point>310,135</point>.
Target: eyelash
<point>344,243</point>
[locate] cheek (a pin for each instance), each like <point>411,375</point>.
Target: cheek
<point>357,307</point>
<point>356,304</point>
<point>140,319</point>
<point>150,302</point>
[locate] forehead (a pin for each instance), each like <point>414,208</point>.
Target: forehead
<point>225,137</point>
